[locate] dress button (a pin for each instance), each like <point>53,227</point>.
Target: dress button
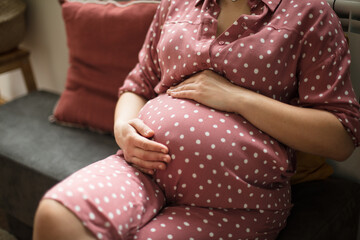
<point>221,42</point>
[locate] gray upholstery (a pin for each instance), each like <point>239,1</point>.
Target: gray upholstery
<point>324,210</point>
<point>35,154</point>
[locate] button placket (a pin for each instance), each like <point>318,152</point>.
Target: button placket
<point>210,23</point>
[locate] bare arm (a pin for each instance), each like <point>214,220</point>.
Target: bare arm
<point>308,130</point>
<point>128,107</point>
<point>305,129</point>
<point>132,136</point>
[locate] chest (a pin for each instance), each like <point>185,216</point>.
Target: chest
<point>229,13</point>
<point>233,44</point>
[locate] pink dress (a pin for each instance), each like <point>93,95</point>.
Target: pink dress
<point>227,179</point>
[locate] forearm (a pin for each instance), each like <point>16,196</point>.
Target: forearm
<point>305,129</point>
<point>308,130</point>
<point>128,107</point>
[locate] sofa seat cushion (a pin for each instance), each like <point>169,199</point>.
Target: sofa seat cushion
<point>35,154</point>
<point>323,210</point>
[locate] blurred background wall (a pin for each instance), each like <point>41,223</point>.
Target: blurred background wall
<point>46,40</point>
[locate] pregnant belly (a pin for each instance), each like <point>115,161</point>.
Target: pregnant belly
<point>213,153</point>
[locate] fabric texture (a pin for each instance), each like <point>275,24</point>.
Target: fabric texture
<point>32,148</point>
<point>23,122</point>
<point>202,141</point>
<point>104,39</point>
<point>255,183</point>
<point>325,209</point>
<point>214,149</point>
<point>116,201</point>
<point>272,51</point>
<point>269,52</point>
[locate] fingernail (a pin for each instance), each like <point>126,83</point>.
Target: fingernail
<point>164,150</point>
<point>161,167</point>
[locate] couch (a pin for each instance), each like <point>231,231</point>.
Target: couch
<point>46,136</point>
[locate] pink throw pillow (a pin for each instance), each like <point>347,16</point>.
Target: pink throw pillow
<point>104,38</point>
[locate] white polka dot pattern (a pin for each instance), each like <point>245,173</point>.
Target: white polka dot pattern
<point>115,201</point>
<point>218,159</point>
<point>111,198</point>
<point>227,179</point>
<point>292,51</point>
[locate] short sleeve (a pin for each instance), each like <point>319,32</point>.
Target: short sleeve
<point>324,69</point>
<point>146,74</point>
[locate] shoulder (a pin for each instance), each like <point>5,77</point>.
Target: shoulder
<point>304,6</point>
<point>305,15</point>
<point>321,34</point>
<point>313,12</point>
<point>167,8</point>
<point>317,10</point>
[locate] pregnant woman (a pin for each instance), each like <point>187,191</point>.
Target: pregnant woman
<point>208,121</point>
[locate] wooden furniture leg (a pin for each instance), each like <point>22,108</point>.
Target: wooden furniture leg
<point>19,58</point>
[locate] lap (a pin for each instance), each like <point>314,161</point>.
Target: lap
<point>187,222</point>
<point>113,199</point>
<point>110,197</point>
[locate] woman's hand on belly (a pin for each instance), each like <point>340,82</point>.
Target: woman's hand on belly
<point>209,89</point>
<point>143,153</point>
<point>296,127</point>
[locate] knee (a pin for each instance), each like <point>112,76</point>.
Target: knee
<point>47,217</point>
<point>54,221</point>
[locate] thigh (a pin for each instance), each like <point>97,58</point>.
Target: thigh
<point>194,223</point>
<point>111,198</point>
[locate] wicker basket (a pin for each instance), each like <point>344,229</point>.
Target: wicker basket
<point>12,24</point>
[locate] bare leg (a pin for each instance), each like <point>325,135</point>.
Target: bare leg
<point>54,222</point>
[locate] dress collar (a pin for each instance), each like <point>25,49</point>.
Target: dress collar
<point>272,4</point>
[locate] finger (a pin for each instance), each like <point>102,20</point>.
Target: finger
<point>149,145</point>
<point>141,128</point>
<point>185,82</point>
<point>144,170</point>
<point>188,94</point>
<point>148,165</point>
<point>189,86</point>
<point>151,156</point>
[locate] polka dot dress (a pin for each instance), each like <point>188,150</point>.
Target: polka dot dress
<point>116,201</point>
<point>227,179</point>
<point>233,164</point>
